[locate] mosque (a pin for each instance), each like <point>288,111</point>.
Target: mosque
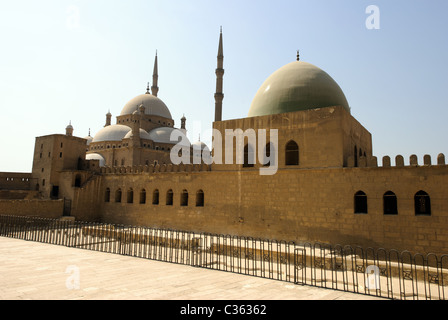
<point>328,186</point>
<point>141,135</point>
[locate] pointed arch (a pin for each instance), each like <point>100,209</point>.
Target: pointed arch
<point>269,150</point>
<point>390,203</point>
<point>142,196</point>
<point>249,156</point>
<point>292,153</point>
<point>118,195</point>
<point>130,196</point>
<point>155,197</point>
<point>360,202</point>
<point>184,198</point>
<point>169,197</point>
<point>200,198</point>
<point>422,204</point>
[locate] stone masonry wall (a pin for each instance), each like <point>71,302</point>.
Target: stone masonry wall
<point>51,209</point>
<point>294,204</point>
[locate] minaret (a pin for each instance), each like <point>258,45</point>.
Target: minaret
<point>219,96</point>
<point>69,130</point>
<point>182,124</point>
<point>135,126</point>
<point>108,118</point>
<point>155,77</point>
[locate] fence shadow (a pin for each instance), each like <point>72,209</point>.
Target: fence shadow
<point>383,273</point>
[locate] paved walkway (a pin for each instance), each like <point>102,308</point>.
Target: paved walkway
<point>32,270</point>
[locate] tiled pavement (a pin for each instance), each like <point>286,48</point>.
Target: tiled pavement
<point>37,271</point>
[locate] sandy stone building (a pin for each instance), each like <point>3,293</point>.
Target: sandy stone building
<point>328,186</point>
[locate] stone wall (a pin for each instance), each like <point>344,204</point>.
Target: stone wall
<point>15,181</point>
<point>293,205</point>
<point>39,208</point>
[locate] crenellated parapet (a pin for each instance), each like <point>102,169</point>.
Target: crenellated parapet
<point>413,160</point>
<point>363,162</point>
<point>399,161</point>
<point>158,168</point>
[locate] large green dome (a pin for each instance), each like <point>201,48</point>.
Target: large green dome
<point>294,87</point>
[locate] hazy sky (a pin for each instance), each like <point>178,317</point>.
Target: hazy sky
<point>64,61</point>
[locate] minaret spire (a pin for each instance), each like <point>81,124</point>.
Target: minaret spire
<point>219,96</point>
<point>155,77</point>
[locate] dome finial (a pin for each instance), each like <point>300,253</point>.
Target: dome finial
<point>147,88</point>
<point>298,55</point>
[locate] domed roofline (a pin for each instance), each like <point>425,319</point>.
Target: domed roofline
<point>153,106</point>
<point>114,132</point>
<point>297,86</point>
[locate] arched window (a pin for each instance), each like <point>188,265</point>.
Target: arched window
<point>169,197</point>
<point>184,198</point>
<point>130,195</point>
<point>390,203</point>
<point>249,157</point>
<point>292,153</point>
<point>107,195</point>
<point>356,156</point>
<point>360,202</point>
<point>200,198</point>
<point>118,195</point>
<point>422,203</point>
<point>143,196</point>
<point>155,197</point>
<point>268,151</point>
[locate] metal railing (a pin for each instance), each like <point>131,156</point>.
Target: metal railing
<point>389,274</point>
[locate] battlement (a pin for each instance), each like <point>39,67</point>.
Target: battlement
<point>363,162</point>
<point>399,161</point>
<point>156,168</point>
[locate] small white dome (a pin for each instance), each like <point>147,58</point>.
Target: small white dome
<point>143,135</point>
<point>199,144</point>
<point>96,156</point>
<point>152,104</point>
<point>89,139</point>
<point>201,151</point>
<point>114,132</point>
<point>163,135</point>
